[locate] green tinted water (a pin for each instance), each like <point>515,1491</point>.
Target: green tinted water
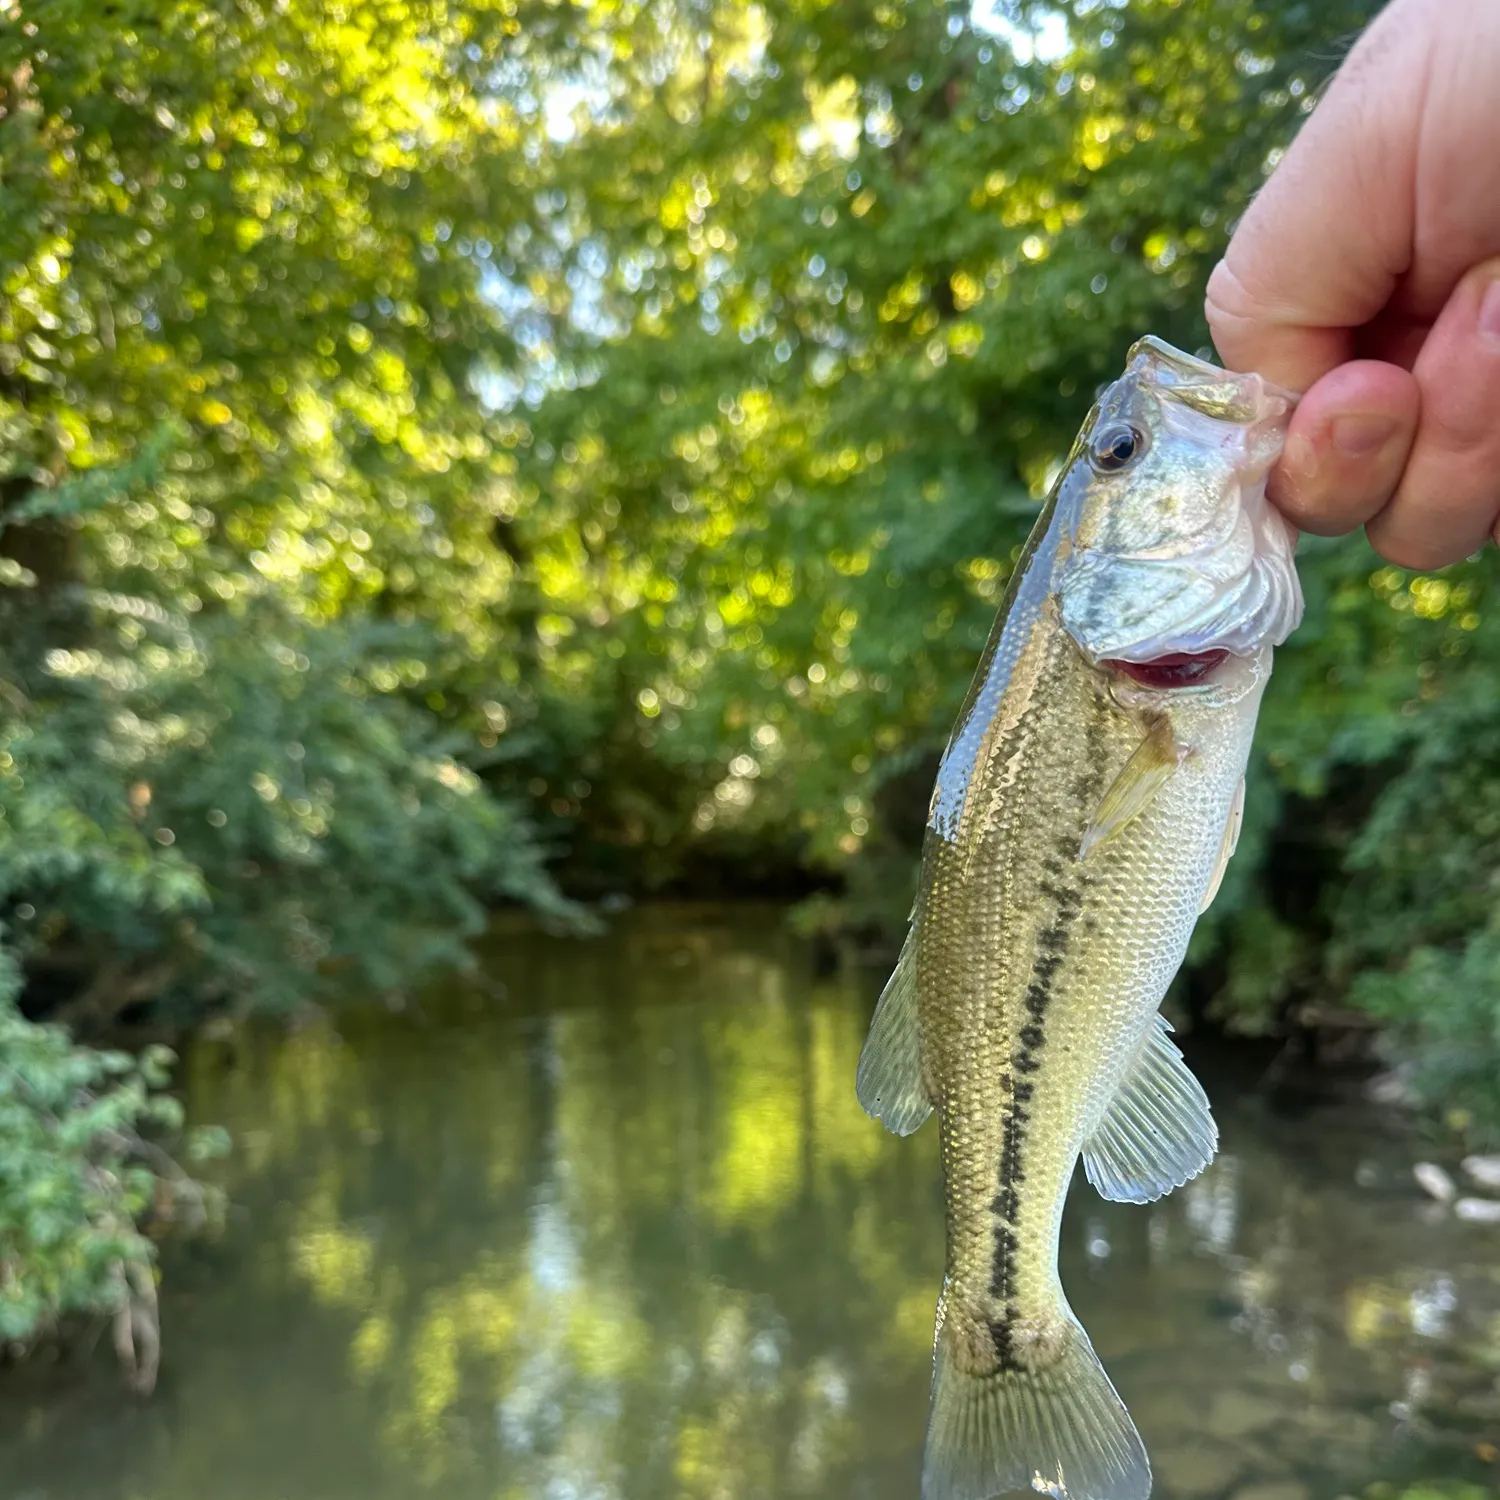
<point>612,1225</point>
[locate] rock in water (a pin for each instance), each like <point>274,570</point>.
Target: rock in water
<point>1485,1170</point>
<point>1434,1181</point>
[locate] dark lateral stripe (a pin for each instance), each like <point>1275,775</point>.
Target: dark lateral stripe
<point>1002,1334</point>
<point>1052,945</point>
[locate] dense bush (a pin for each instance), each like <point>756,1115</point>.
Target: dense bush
<point>76,1177</point>
<point>238,809</point>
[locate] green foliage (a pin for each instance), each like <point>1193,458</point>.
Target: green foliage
<point>76,1174</point>
<point>238,807</point>
<point>872,265</point>
<point>1418,925</point>
<point>246,495</point>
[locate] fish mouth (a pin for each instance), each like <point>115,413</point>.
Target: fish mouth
<point>1178,669</point>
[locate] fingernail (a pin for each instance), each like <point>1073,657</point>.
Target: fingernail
<point>1489,312</point>
<point>1360,435</point>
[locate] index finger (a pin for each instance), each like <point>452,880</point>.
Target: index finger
<point>1323,246</point>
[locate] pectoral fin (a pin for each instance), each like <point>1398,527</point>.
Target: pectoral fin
<point>1132,791</point>
<point>1158,1131</point>
<point>889,1081</point>
<point>1227,845</point>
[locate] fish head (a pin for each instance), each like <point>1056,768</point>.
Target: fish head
<point>1172,558</point>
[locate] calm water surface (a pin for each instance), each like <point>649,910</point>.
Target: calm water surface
<point>611,1226</point>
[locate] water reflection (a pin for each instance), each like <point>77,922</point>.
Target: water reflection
<point>624,1234</point>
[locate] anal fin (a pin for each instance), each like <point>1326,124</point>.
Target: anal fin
<point>889,1081</point>
<point>1131,792</point>
<point>1158,1131</point>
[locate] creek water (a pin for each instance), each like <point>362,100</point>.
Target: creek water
<point>606,1223</point>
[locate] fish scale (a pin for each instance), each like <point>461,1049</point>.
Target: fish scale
<point>1082,815</point>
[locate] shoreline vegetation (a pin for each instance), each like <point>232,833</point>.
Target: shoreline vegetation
<point>401,517</point>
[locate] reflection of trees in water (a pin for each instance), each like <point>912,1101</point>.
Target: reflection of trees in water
<point>651,1246</point>
<point>631,1250</point>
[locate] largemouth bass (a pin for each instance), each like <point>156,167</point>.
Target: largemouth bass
<point>1086,805</point>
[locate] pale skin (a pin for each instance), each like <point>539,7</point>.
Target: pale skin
<point>1367,275</point>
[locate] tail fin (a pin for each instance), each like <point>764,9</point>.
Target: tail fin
<point>1059,1431</point>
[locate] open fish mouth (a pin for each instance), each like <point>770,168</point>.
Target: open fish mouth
<point>1178,669</point>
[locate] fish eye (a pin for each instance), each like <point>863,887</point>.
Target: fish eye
<point>1117,447</point>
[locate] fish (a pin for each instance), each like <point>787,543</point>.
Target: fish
<point>1085,807</point>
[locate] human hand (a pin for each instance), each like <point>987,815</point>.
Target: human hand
<point>1367,274</point>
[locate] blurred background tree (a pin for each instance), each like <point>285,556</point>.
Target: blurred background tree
<point>471,452</point>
